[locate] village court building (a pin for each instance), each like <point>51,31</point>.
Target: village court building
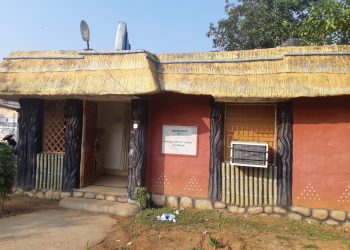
<point>259,129</point>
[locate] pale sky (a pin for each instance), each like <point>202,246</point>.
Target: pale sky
<point>159,26</point>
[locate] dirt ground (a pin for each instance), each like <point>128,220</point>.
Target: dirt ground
<point>20,204</point>
<point>194,229</point>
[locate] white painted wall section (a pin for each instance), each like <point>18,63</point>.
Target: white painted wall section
<point>110,122</point>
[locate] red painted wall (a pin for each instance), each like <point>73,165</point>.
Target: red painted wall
<point>321,152</point>
<point>178,174</point>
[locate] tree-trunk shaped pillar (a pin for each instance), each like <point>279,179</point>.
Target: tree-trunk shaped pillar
<point>72,137</point>
<point>138,145</point>
<point>216,150</point>
<point>30,130</point>
<point>284,152</point>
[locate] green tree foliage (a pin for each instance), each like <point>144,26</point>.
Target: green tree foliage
<point>327,22</point>
<point>7,173</point>
<point>267,23</point>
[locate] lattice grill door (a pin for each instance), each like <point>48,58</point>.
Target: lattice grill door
<point>54,127</point>
<point>89,144</point>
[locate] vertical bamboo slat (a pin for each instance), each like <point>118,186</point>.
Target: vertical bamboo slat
<point>250,186</point>
<point>244,186</point>
<point>41,174</point>
<point>232,184</point>
<point>223,182</point>
<point>49,171</point>
<point>37,174</point>
<point>241,187</point>
<point>270,175</point>
<point>260,185</point>
<point>255,179</point>
<point>49,166</point>
<point>236,180</point>
<point>265,186</point>
<point>44,172</point>
<point>55,171</point>
<point>228,200</point>
<point>275,185</point>
<point>60,173</point>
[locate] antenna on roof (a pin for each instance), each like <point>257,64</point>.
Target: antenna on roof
<point>85,33</point>
<point>121,38</point>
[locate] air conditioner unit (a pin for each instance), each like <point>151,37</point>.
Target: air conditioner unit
<point>249,154</point>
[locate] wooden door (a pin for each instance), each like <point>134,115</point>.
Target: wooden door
<point>89,144</point>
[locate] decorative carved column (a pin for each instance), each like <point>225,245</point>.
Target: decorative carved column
<point>29,140</point>
<point>138,145</point>
<point>284,153</point>
<point>72,137</point>
<point>22,143</point>
<point>216,150</point>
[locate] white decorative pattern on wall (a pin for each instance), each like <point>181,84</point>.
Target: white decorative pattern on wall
<point>309,193</point>
<point>345,196</point>
<point>193,185</point>
<point>161,183</point>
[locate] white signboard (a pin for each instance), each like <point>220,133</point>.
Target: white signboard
<point>8,125</point>
<point>180,140</point>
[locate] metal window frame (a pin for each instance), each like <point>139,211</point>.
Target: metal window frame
<point>250,143</point>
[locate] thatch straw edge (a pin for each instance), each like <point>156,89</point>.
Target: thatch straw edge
<point>292,72</point>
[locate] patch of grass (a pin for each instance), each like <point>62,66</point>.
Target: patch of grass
<point>215,221</point>
<point>282,237</point>
<point>310,246</point>
<point>187,218</point>
<point>214,242</point>
<point>316,232</point>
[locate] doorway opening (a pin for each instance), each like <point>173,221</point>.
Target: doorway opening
<point>105,147</point>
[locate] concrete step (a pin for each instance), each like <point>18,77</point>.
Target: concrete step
<point>102,193</point>
<point>124,209</point>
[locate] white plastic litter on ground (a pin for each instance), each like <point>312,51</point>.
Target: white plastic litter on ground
<point>167,217</point>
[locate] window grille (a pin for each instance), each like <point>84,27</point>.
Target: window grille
<point>250,123</point>
<point>54,127</point>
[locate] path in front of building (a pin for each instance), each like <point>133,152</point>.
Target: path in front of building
<point>54,229</point>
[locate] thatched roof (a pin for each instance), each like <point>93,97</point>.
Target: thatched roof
<point>74,73</point>
<point>285,72</point>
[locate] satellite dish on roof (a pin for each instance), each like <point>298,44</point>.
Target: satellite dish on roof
<point>85,32</point>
